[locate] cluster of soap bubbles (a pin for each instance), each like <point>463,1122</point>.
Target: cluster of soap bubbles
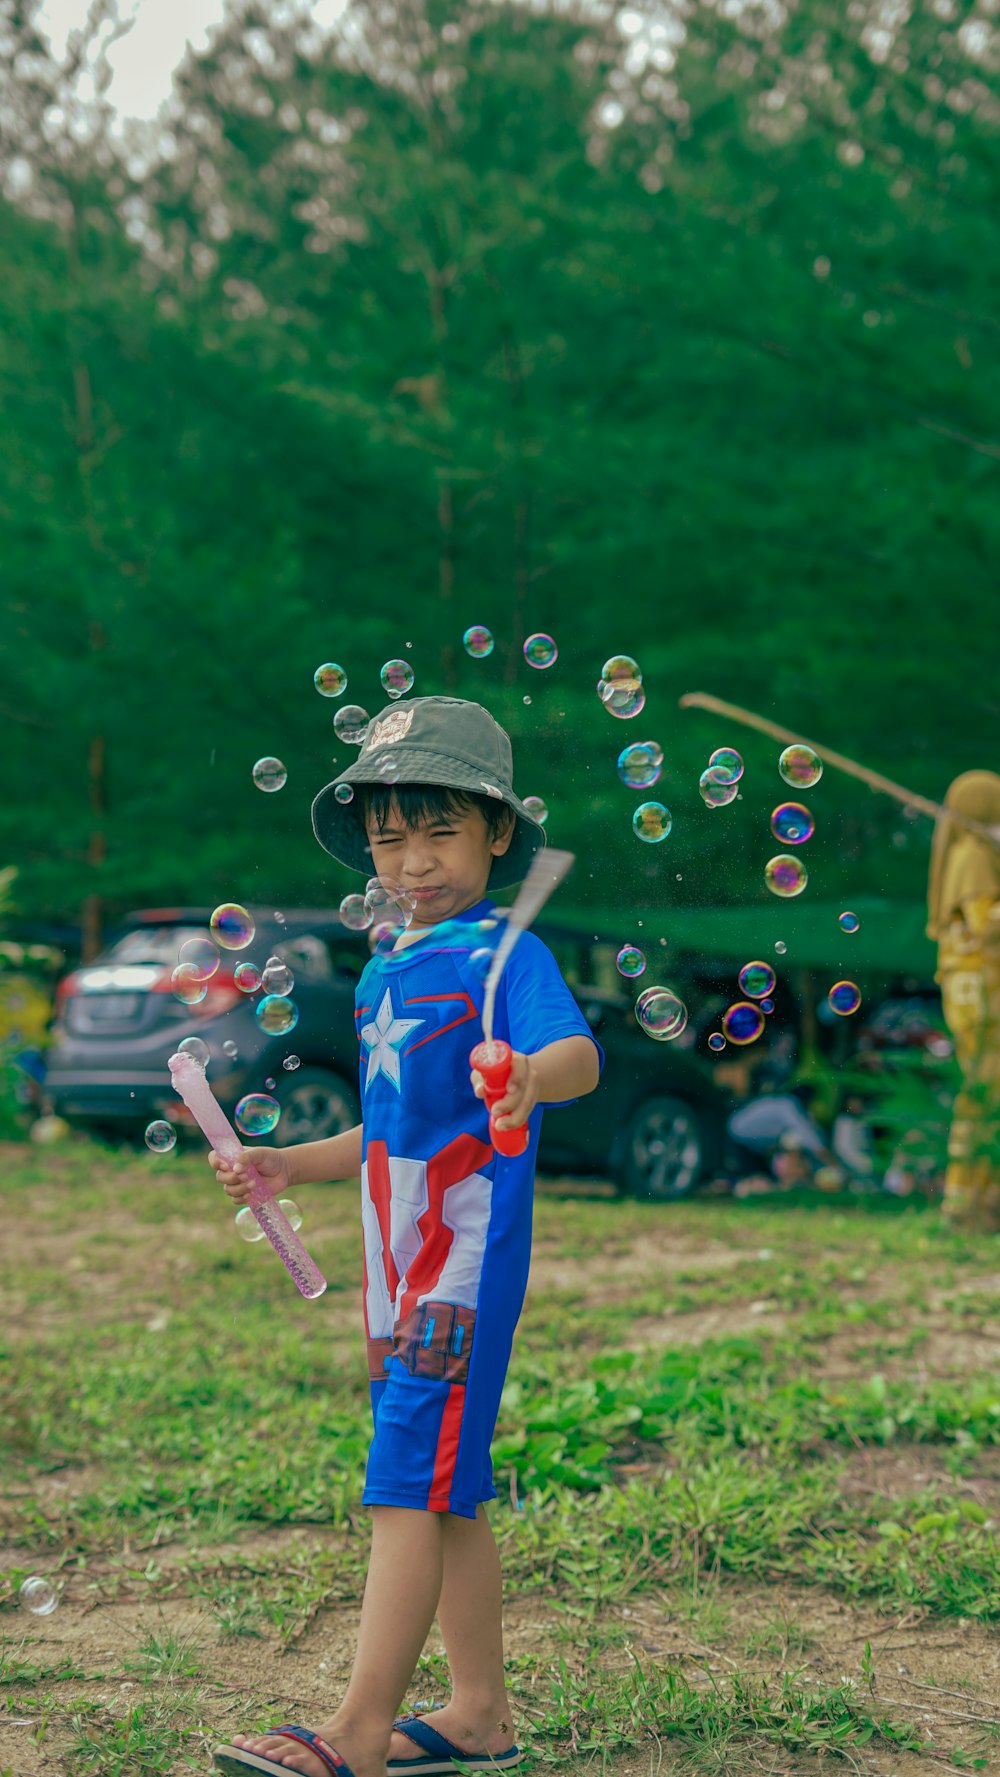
<point>718,784</point>
<point>661,1013</point>
<point>620,687</point>
<point>640,765</point>
<point>743,1021</point>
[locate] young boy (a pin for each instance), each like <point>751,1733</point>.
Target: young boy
<point>447,1225</point>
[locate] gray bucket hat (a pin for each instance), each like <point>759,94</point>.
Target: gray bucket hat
<point>431,740</point>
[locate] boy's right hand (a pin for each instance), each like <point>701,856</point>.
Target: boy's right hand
<point>271,1163</point>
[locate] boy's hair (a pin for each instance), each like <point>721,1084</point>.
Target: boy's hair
<point>424,804</point>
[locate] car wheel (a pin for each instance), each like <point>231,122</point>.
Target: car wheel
<point>314,1104</point>
<point>662,1151</point>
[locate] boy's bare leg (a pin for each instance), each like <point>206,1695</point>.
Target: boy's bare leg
<point>401,1596</point>
<point>477,1717</point>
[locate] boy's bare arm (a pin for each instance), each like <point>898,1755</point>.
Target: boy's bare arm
<point>568,1068</point>
<point>315,1162</point>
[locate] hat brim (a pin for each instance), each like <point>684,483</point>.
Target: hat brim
<point>339,831</point>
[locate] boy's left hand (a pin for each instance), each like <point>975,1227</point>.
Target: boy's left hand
<point>521,1096</point>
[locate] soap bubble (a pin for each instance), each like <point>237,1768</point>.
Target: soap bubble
<point>269,1084</point>
<point>478,641</point>
<point>727,759</point>
<point>277,977</point>
<point>187,987</point>
<point>844,998</point>
<point>200,957</point>
<point>397,678</point>
<point>481,962</point>
<point>279,919</point>
<point>638,766</point>
<point>247,977</point>
<point>742,1023</point>
<point>330,680</point>
<point>276,1015</point>
<point>269,774</point>
<point>716,788</point>
<point>232,926</point>
<point>291,1212</point>
<point>716,1041</point>
<point>630,961</point>
<point>256,1114</point>
<point>623,698</point>
<point>540,650</point>
<point>785,876</point>
<point>780,946</point>
<point>766,1005</point>
<point>661,1014</point>
<point>355,913</point>
<point>290,1063</point>
<point>526,700</point>
<point>537,809</point>
<point>656,750</point>
<point>350,724</point>
<point>792,823</point>
<point>247,1226</point>
<point>756,979</point>
<point>848,922</point>
<point>230,1048</point>
<point>198,1050</point>
<point>161,1137</point>
<point>389,769</point>
<point>343,793</point>
<point>800,766</point>
<point>37,1596</point>
<point>620,669</point>
<point>652,822</point>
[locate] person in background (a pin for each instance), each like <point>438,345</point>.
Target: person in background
<point>963,907</point>
<point>773,1142</point>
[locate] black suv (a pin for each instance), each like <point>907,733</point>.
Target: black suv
<point>655,1125</point>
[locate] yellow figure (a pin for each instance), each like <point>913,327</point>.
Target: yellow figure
<point>964,920</point>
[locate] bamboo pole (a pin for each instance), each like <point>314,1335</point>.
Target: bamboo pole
<point>703,700</point>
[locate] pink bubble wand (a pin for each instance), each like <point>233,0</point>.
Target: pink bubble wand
<point>189,1081</point>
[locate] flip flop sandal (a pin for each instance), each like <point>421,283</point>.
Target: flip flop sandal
<point>441,1756</point>
<point>236,1761</point>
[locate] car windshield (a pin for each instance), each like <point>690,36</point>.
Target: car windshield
<point>151,944</point>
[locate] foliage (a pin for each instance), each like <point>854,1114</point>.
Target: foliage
<point>673,337</point>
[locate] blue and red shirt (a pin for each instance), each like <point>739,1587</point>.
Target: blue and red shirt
<point>447,1221</point>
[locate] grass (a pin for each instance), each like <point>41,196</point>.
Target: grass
<point>182,1432</point>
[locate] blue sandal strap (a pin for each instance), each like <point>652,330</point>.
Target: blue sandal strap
<point>423,1735</point>
<point>306,1737</point>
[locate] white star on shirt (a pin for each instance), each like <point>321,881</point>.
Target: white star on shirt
<point>383,1039</point>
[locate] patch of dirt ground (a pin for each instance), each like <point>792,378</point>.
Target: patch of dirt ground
<point>942,1678</point>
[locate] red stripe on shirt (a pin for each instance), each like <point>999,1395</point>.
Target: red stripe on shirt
<point>446,1454</point>
<point>380,1192</point>
<point>459,1160</point>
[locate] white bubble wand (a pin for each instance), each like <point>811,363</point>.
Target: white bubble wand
<point>189,1081</point>
<point>493,1059</point>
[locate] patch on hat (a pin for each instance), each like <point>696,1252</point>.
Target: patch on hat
<point>389,730</point>
<point>491,789</point>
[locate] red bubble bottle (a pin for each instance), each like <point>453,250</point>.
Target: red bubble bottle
<point>493,1060</point>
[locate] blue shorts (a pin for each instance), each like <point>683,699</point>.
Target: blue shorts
<point>431,1448</point>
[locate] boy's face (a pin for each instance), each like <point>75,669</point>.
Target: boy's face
<point>443,864</point>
